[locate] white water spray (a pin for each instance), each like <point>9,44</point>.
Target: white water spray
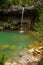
<point>21,30</point>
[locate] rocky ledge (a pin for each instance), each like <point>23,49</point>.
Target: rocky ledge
<point>29,57</point>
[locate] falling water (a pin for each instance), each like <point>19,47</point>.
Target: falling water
<point>21,31</point>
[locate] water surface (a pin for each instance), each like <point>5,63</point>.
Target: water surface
<point>11,43</point>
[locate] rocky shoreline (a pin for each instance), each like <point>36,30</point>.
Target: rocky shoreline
<point>29,57</point>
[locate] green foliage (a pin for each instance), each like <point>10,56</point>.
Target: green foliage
<point>2,60</point>
<point>39,26</point>
<point>40,11</point>
<point>16,2</point>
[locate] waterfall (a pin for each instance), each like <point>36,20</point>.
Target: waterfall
<point>21,30</point>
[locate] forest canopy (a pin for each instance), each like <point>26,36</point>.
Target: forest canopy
<point>16,2</point>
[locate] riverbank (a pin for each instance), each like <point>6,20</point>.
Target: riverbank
<point>29,56</point>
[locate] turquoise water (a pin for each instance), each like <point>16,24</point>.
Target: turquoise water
<point>11,43</point>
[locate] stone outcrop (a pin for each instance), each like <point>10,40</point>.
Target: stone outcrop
<point>24,59</point>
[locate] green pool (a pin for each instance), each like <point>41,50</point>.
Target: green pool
<point>11,43</point>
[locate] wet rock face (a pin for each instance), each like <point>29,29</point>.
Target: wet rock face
<point>15,12</point>
<point>17,23</point>
<point>1,28</point>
